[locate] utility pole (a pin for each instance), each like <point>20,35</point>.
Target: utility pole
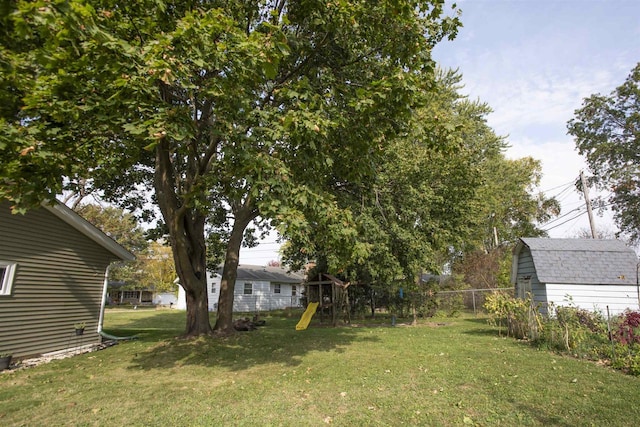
<point>585,190</point>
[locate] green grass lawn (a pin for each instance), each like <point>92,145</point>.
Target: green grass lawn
<point>455,372</point>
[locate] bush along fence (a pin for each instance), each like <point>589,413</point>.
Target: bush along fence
<point>430,301</point>
<point>467,299</point>
<point>613,340</point>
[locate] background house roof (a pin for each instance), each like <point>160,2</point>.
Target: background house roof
<point>582,261</point>
<point>270,274</point>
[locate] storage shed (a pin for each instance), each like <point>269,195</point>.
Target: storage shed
<point>591,274</point>
<point>53,275</point>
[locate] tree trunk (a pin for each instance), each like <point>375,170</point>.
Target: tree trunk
<point>372,301</point>
<point>197,310</point>
<point>186,235</point>
<point>189,254</point>
<point>224,320</point>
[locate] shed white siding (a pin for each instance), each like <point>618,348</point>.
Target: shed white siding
<point>594,297</point>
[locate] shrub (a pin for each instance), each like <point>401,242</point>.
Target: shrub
<point>584,334</point>
<point>520,316</point>
<point>628,331</point>
<point>581,332</point>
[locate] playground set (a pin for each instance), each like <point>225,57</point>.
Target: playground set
<point>329,297</point>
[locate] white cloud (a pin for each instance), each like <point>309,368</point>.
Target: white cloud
<point>534,63</point>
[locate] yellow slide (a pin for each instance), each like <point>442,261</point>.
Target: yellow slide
<point>306,316</point>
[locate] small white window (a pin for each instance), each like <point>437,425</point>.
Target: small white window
<point>6,277</point>
<point>248,288</point>
<point>293,290</point>
<point>277,288</point>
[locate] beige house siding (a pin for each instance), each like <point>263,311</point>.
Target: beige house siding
<point>58,282</point>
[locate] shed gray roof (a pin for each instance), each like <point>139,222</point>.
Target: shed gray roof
<point>267,274</point>
<point>582,261</point>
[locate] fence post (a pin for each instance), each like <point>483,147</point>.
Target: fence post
<point>473,296</point>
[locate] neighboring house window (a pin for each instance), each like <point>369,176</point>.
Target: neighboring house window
<point>130,294</point>
<point>524,287</point>
<point>293,290</point>
<point>248,288</point>
<point>277,288</point>
<point>213,288</point>
<point>6,277</point>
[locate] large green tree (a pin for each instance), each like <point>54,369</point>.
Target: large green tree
<point>607,132</point>
<point>442,189</point>
<point>419,203</point>
<point>509,203</point>
<point>506,206</point>
<point>235,109</point>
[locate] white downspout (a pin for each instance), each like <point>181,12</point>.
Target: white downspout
<point>103,303</point>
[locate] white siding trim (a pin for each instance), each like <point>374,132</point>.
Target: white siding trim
<point>7,280</point>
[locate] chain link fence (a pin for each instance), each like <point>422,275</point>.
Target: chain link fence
<point>469,299</point>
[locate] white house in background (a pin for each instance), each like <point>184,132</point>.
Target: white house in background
<point>257,288</point>
<point>591,274</point>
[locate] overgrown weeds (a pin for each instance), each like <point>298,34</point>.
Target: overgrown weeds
<point>571,330</point>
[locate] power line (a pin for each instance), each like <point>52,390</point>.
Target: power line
<point>578,209</point>
<point>568,184</point>
<point>564,222</point>
<point>564,191</point>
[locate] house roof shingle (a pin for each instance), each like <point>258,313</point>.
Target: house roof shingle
<point>583,261</point>
<point>270,274</point>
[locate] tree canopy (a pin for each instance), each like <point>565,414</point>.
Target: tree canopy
<point>218,112</point>
<point>607,132</point>
<point>442,188</point>
<point>121,226</point>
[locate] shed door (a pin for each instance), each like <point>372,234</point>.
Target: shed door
<point>523,287</point>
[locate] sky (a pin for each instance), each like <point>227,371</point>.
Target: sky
<point>533,62</point>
